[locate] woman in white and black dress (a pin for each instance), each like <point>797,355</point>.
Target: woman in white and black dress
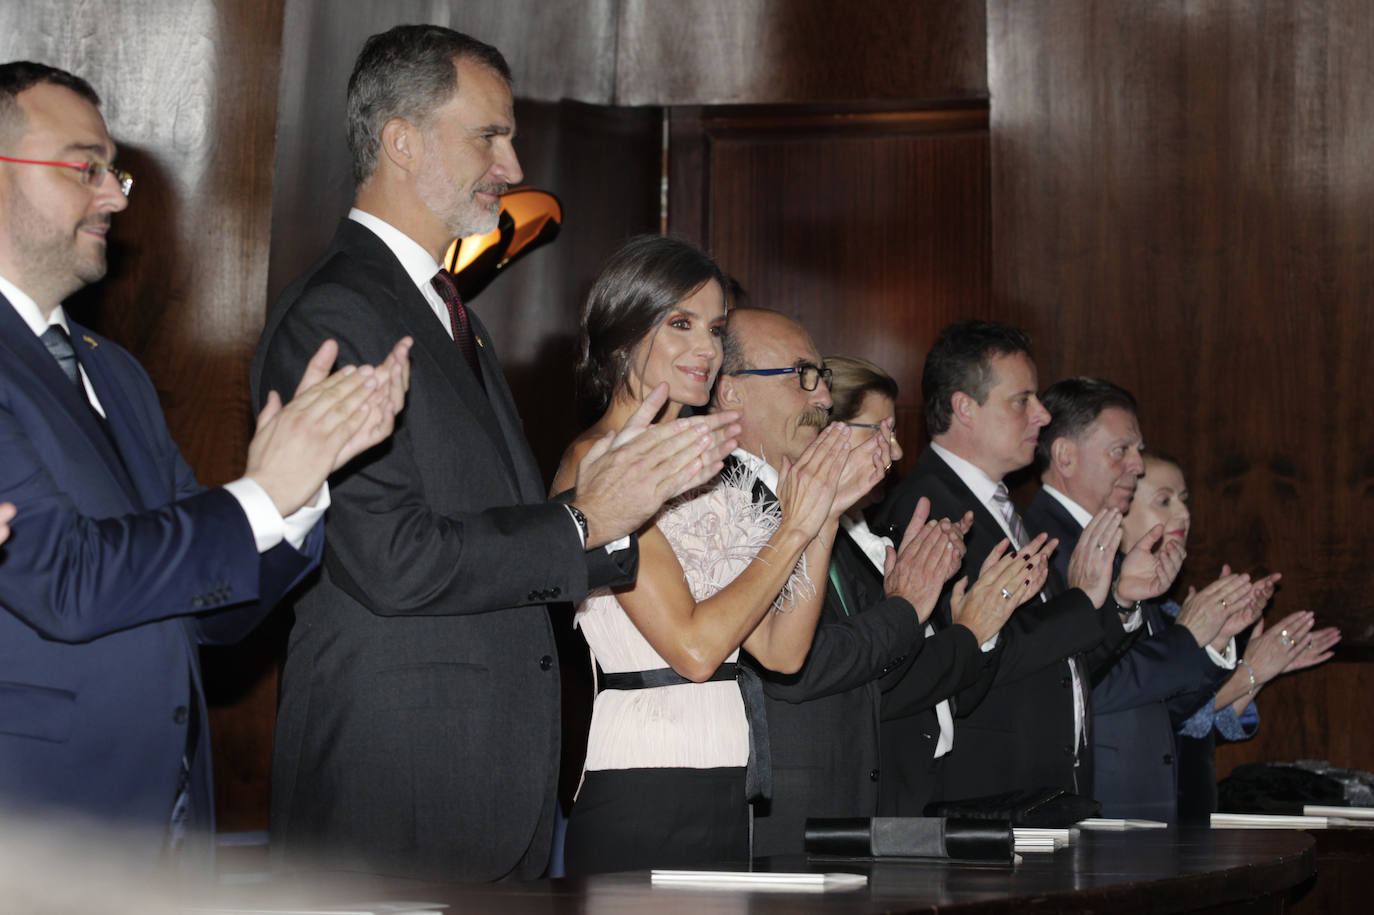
<point>665,778</point>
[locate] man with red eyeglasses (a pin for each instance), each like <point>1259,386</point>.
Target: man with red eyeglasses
<point>118,564</point>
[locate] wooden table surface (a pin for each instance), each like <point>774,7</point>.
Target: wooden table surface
<point>1154,871</point>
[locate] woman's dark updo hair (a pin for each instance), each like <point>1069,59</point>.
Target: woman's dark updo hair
<point>638,288</point>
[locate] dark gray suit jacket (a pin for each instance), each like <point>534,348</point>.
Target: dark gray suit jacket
<point>418,731</point>
<point>1019,732</point>
<point>823,722</point>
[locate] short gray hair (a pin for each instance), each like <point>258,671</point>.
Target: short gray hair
<point>406,72</point>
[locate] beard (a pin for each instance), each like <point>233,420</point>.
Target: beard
<point>54,259</point>
<point>457,207</point>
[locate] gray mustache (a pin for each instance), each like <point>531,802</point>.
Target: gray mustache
<point>815,416</point>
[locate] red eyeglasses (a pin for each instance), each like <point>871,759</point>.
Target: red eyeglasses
<point>92,173</point>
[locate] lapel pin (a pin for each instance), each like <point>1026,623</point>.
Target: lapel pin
<point>90,341</point>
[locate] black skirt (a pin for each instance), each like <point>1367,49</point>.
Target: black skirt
<point>636,819</point>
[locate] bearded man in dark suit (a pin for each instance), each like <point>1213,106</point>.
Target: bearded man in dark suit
<point>419,723</point>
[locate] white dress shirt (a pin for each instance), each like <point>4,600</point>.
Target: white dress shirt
<point>268,526</point>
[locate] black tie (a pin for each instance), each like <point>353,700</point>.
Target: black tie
<point>60,345</point>
<point>458,320</point>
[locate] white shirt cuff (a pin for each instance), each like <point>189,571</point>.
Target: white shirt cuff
<point>303,521</point>
<point>1132,622</point>
<point>991,643</point>
<point>268,526</point>
<point>1226,659</point>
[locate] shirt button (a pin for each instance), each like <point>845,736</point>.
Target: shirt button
<point>545,662</point>
<point>179,715</point>
<point>873,775</point>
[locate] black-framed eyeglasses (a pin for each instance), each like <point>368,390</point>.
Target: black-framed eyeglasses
<point>809,375</point>
<point>874,426</point>
<point>92,173</point>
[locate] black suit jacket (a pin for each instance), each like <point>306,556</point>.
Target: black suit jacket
<point>823,720</point>
<point>1135,771</point>
<point>1016,725</point>
<point>418,731</point>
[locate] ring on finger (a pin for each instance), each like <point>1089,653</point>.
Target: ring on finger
<point>1006,595</point>
<point>1101,548</point>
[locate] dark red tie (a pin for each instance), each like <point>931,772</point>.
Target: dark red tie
<point>458,321</point>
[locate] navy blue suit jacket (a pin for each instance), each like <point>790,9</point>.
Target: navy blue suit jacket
<point>1136,764</point>
<point>119,565</point>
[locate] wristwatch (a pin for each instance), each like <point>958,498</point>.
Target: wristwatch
<point>581,519</point>
<point>1123,608</point>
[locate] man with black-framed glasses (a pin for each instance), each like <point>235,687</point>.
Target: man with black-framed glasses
<point>823,720</point>
<point>809,375</point>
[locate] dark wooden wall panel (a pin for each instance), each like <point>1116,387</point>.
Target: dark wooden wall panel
<point>868,225</point>
<point>750,51</point>
<point>1181,203</point>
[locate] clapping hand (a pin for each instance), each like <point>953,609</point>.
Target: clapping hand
<point>806,489</point>
<point>627,475</point>
<point>929,555</point>
<point>1205,612</point>
<point>1146,573</point>
<point>865,468</point>
<point>331,419</point>
<point>1004,583</point>
<point>1090,566</point>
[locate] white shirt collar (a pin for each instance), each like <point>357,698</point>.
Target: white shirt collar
<point>1080,514</point>
<point>418,263</point>
<point>978,482</point>
<point>873,545</point>
<point>761,469</point>
<point>28,309</point>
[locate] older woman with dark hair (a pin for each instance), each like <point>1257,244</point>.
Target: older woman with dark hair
<point>665,777</point>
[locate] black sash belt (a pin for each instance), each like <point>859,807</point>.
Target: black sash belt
<point>758,782</point>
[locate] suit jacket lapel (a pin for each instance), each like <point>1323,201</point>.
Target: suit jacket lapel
<point>121,422</point>
<point>66,403</point>
<point>983,520</point>
<point>498,392</point>
<point>413,316</point>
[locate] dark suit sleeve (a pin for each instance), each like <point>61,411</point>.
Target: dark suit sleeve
<point>75,578</point>
<point>388,547</point>
<point>1157,668</point>
<point>949,662</point>
<point>850,652</point>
